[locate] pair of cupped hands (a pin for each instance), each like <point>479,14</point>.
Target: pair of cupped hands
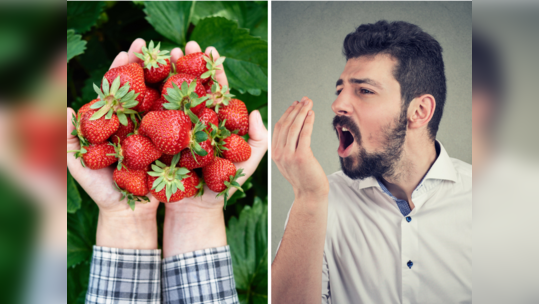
<point>115,214</point>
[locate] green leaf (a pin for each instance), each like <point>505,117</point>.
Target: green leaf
<point>248,240</point>
<point>201,136</point>
<point>248,14</point>
<point>77,250</point>
<point>246,62</point>
<point>81,16</point>
<point>170,18</point>
<point>252,102</point>
<point>73,196</point>
<point>75,46</point>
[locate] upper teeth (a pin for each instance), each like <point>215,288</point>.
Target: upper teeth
<point>344,129</point>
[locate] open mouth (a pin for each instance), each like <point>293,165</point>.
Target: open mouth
<point>346,140</point>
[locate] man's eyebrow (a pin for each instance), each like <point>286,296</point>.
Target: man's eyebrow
<point>360,81</point>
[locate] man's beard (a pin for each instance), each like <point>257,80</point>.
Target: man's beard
<point>379,164</point>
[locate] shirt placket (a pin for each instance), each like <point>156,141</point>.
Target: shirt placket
<point>410,263</point>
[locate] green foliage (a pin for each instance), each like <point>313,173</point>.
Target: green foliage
<point>170,18</point>
<point>73,196</point>
<point>239,32</point>
<point>75,46</point>
<point>248,240</point>
<point>246,61</point>
<point>82,15</point>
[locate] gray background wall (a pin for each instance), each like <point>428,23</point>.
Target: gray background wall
<point>307,60</point>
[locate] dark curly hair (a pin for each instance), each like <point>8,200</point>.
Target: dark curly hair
<point>420,67</point>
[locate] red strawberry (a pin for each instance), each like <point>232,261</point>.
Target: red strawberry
<point>171,184</point>
<point>99,130</point>
<point>137,152</point>
<point>158,104</point>
<point>179,96</point>
<point>236,149</point>
<point>236,115</point>
<point>131,73</point>
<point>123,131</point>
<point>200,65</point>
<point>151,96</point>
<point>166,159</point>
<point>217,173</point>
<point>168,130</point>
<point>97,156</point>
<point>207,117</point>
<point>156,63</point>
<point>133,184</point>
<point>85,108</point>
<point>76,120</point>
<point>134,181</point>
<point>190,160</point>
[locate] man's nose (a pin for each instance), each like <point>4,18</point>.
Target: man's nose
<point>342,105</point>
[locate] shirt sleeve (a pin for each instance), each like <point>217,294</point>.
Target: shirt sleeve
<point>199,277</point>
<point>124,276</point>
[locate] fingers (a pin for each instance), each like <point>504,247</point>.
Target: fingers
<point>258,140</point>
<point>220,74</point>
<point>175,54</point>
<point>121,59</point>
<point>296,126</point>
<point>288,123</point>
<point>278,130</point>
<point>192,47</point>
<point>304,141</point>
<point>136,47</point>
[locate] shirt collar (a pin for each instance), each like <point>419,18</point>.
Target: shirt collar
<point>442,169</point>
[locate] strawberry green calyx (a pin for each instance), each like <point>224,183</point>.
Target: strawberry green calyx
<point>200,187</point>
<point>169,178</point>
<point>219,97</point>
<point>152,56</point>
<point>114,99</point>
<point>118,154</point>
<point>131,198</point>
<point>79,153</point>
<point>184,98</point>
<point>218,135</point>
<point>231,184</point>
<point>212,66</point>
<point>198,135</point>
<point>77,131</point>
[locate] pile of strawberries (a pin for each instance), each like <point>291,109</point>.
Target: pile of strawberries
<point>170,128</point>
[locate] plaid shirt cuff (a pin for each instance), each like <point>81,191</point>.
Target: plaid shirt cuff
<point>124,276</point>
<point>200,277</point>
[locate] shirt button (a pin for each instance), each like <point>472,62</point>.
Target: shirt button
<point>408,219</point>
<point>410,264</point>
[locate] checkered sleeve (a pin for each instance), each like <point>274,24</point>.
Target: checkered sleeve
<point>124,276</point>
<point>199,277</point>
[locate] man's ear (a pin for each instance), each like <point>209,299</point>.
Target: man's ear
<point>420,111</point>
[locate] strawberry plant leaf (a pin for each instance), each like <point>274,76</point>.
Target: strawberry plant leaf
<point>248,14</point>
<point>75,46</point>
<point>170,18</point>
<point>248,240</point>
<point>77,250</point>
<point>246,62</point>
<point>73,195</point>
<point>81,16</point>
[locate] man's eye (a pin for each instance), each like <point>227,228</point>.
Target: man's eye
<point>338,92</point>
<point>365,91</point>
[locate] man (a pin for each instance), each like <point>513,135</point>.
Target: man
<point>395,225</point>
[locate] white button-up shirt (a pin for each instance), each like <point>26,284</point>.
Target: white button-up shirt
<point>374,254</point>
